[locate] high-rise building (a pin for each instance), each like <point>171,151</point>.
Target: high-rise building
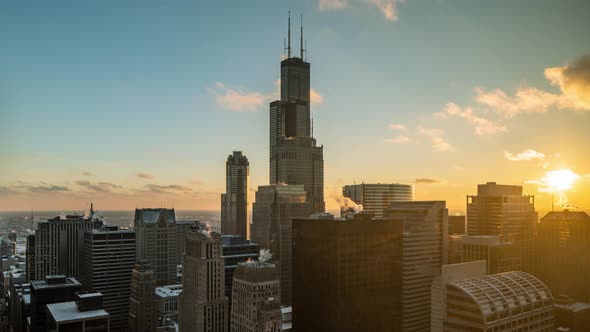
<point>142,311</point>
<point>256,306</point>
<point>563,241</point>
<point>295,157</point>
<point>502,210</point>
<point>456,225</point>
<point>159,238</point>
<point>109,257</point>
<point>58,244</point>
<point>449,273</point>
<point>236,250</point>
<point>234,203</point>
<point>376,197</point>
<point>52,289</point>
<point>500,255</point>
<point>510,301</point>
<point>30,257</point>
<point>167,299</point>
<point>275,207</point>
<point>85,314</point>
<point>203,306</point>
<point>571,316</point>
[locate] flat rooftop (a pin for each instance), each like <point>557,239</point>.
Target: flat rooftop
<point>68,312</point>
<point>169,291</point>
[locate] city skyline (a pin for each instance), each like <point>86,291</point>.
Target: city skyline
<point>131,106</point>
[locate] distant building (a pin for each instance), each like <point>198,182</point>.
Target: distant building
<point>256,305</point>
<point>510,301</point>
<point>17,286</point>
<point>502,210</point>
<point>167,300</point>
<point>500,255</point>
<point>203,306</point>
<point>234,203</point>
<point>85,314</point>
<point>58,244</point>
<point>142,311</point>
<point>30,257</point>
<point>571,316</point>
<point>449,273</point>
<point>108,259</point>
<point>275,207</point>
<point>376,197</point>
<point>52,289</point>
<point>236,250</point>
<point>562,247</point>
<point>456,225</point>
<point>21,308</point>
<point>7,247</point>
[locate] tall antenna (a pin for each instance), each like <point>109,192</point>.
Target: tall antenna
<point>305,51</point>
<point>311,124</point>
<point>289,37</point>
<point>301,38</point>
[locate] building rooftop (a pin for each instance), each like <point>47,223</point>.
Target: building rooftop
<point>55,281</point>
<point>68,312</point>
<point>575,307</point>
<point>152,216</point>
<point>256,272</point>
<point>169,291</point>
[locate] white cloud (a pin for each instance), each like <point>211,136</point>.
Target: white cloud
<point>481,125</point>
<point>436,138</point>
<point>525,155</point>
<point>325,5</point>
<point>397,140</point>
<point>397,126</point>
<point>315,98</point>
<point>387,7</point>
<point>238,100</point>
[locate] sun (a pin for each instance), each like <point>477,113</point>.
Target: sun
<point>559,180</point>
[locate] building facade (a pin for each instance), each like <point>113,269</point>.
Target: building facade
<point>236,250</point>
<point>51,289</point>
<point>376,197</point>
<point>500,255</point>
<point>85,314</point>
<point>167,300</point>
<point>142,311</point>
<point>234,203</point>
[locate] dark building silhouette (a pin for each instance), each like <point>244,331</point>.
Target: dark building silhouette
<point>234,203</point>
<point>500,255</point>
<point>142,307</point>
<point>562,247</point>
<point>236,250</point>
<point>571,316</point>
<point>52,289</point>
<point>456,225</point>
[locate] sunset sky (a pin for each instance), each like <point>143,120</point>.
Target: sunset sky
<point>138,103</point>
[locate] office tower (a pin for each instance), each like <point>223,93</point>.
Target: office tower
<point>561,249</point>
<point>275,207</point>
<point>15,287</point>
<point>52,289</point>
<point>7,247</point>
<point>571,316</point>
<point>376,197</point>
<point>256,305</point>
<point>85,314</point>
<point>159,239</point>
<point>423,227</point>
<point>142,311</point>
<point>500,255</point>
<point>58,244</point>
<point>438,295</point>
<point>502,210</point>
<point>295,157</point>
<point>234,203</point>
<point>236,250</point>
<point>456,225</point>
<point>167,299</point>
<point>510,301</point>
<point>203,306</point>
<point>21,308</point>
<point>109,257</point>
<point>30,257</point>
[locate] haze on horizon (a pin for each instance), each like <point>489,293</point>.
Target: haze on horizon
<point>130,106</point>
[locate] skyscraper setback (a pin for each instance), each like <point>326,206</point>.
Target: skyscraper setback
<point>295,157</point>
<point>234,203</point>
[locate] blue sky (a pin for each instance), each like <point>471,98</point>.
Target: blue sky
<point>115,88</point>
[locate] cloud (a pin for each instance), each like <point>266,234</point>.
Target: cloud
<point>166,189</point>
<point>435,135</point>
<point>481,126</point>
<point>315,98</point>
<point>87,174</point>
<point>429,180</point>
<point>144,175</point>
<point>397,140</point>
<point>397,126</point>
<point>574,82</point>
<point>238,100</point>
<point>45,188</point>
<point>103,187</point>
<point>525,155</point>
<point>326,5</point>
<point>387,7</point>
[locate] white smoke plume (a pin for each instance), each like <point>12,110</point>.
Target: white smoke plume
<point>346,203</point>
<point>264,256</point>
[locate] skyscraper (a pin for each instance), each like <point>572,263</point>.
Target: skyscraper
<point>256,294</point>
<point>236,250</point>
<point>295,157</point>
<point>500,255</point>
<point>51,289</point>
<point>376,197</point>
<point>142,307</point>
<point>203,306</point>
<point>108,258</point>
<point>234,203</point>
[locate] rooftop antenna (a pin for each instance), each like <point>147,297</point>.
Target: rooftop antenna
<point>289,37</point>
<point>311,124</point>
<point>32,220</point>
<point>305,50</point>
<point>301,38</point>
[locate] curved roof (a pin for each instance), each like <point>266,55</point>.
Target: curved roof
<point>505,294</point>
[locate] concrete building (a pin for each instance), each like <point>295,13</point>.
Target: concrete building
<point>449,273</point>
<point>275,207</point>
<point>500,255</point>
<point>30,257</point>
<point>456,225</point>
<point>142,311</point>
<point>256,305</point>
<point>502,210</point>
<point>571,316</point>
<point>295,157</point>
<point>236,250</point>
<point>85,314</point>
<point>234,203</point>
<point>167,299</point>
<point>203,304</point>
<point>58,244</point>
<point>376,197</point>
<point>52,289</point>
<point>108,259</point>
<point>17,286</point>
<point>510,301</point>
<point>561,247</point>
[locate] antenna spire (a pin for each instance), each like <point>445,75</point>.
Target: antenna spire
<point>301,38</point>
<point>289,37</point>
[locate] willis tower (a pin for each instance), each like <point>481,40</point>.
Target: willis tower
<point>295,157</point>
